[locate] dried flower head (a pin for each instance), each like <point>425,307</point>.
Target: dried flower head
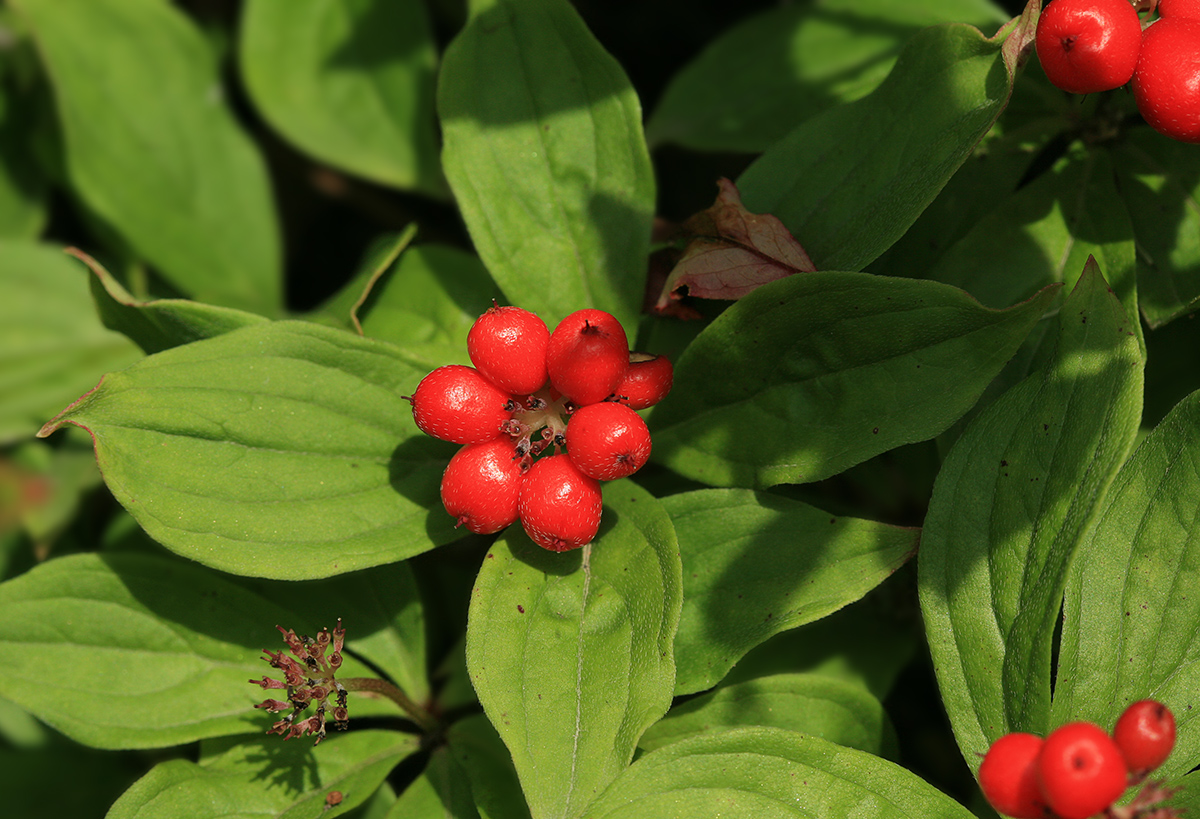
<point>307,679</point>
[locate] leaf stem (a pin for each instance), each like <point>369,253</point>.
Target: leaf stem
<point>418,714</point>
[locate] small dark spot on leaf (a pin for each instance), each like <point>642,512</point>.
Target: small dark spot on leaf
<point>1003,463</point>
<point>520,608</point>
<point>875,431</point>
<point>833,520</point>
<point>490,556</point>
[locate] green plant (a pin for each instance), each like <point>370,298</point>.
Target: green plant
<point>923,478</point>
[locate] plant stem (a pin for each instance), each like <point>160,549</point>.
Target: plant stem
<point>418,714</point>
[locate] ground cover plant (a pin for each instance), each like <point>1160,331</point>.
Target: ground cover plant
<point>923,490</point>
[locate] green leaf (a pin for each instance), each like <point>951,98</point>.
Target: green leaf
<point>52,346</point>
<point>771,72</point>
<point>163,162</point>
<point>349,83</point>
<point>265,777</point>
<point>834,710</point>
<point>278,450</point>
<point>144,651</point>
<point>768,773</point>
<point>1045,233</point>
<point>34,779</point>
<point>1159,180</point>
<point>1014,498</point>
<point>440,792</point>
<point>734,599</point>
<point>24,188</point>
<point>571,653</point>
<point>545,153</point>
<point>824,370</point>
<point>158,324</point>
<point>849,182</point>
<point>479,752</point>
<point>1132,627</point>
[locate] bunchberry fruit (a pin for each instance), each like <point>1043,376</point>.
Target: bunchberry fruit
<point>587,356</point>
<point>1080,770</point>
<point>482,484</point>
<point>1008,776</point>
<point>646,382</point>
<point>508,347</point>
<point>607,441</point>
<point>1145,733</point>
<point>1179,8</point>
<point>560,507</point>
<point>1089,45</point>
<point>1166,85</point>
<point>455,403</point>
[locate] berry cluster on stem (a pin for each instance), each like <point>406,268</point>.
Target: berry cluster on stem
<point>543,417</point>
<point>1080,770</point>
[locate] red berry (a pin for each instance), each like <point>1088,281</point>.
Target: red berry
<point>1008,776</point>
<point>1089,45</point>
<point>560,506</point>
<point>587,356</point>
<point>1166,85</point>
<point>482,484</point>
<point>457,404</point>
<point>1145,733</point>
<point>646,382</point>
<point>1179,8</point>
<point>1080,770</point>
<point>508,346</point>
<point>607,441</point>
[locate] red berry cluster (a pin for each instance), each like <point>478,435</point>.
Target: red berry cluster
<point>1079,770</point>
<point>575,389</point>
<point>1097,45</point>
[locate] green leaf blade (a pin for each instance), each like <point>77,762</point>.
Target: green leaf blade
<point>545,153</point>
<point>877,363</point>
<point>573,663</point>
<point>279,450</point>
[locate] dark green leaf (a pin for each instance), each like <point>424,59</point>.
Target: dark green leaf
<point>1013,500</point>
<point>571,653</point>
<point>757,564</point>
<point>480,754</point>
<point>24,188</point>
<point>52,345</point>
<point>278,450</point>
<point>776,69</point>
<point>849,182</point>
<point>768,773</point>
<point>831,709</point>
<point>823,370</point>
<point>1160,183</point>
<point>349,82</point>
<point>545,153</point>
<point>143,651</point>
<point>266,778</point>
<point>440,792</point>
<point>163,162</point>
<point>1132,627</point>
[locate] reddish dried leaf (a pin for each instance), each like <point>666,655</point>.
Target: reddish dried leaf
<point>731,252</point>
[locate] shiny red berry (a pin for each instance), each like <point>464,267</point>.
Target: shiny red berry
<point>646,382</point>
<point>1179,8</point>
<point>587,356</point>
<point>1008,776</point>
<point>1145,733</point>
<point>457,404</point>
<point>1089,45</point>
<point>560,507</point>
<point>607,441</point>
<point>1080,770</point>
<point>482,485</point>
<point>508,347</point>
<point>1166,85</point>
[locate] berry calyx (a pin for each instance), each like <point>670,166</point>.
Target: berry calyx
<point>482,485</point>
<point>646,382</point>
<point>1087,46</point>
<point>1166,85</point>
<point>560,507</point>
<point>1008,776</point>
<point>607,441</point>
<point>457,404</point>
<point>1145,733</point>
<point>1080,770</point>
<point>508,347</point>
<point>587,356</point>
